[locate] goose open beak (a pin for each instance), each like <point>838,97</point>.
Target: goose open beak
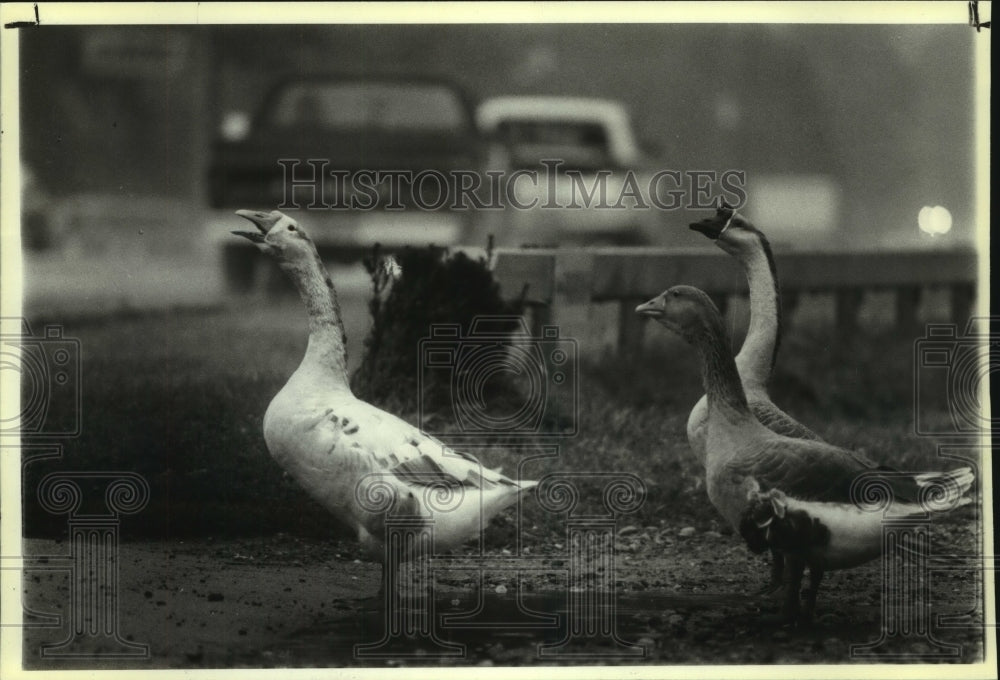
<point>652,309</point>
<point>261,220</point>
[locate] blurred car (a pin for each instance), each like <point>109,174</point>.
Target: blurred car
<point>350,131</point>
<point>583,150</point>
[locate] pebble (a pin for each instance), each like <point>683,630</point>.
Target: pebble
<point>501,590</point>
<point>646,641</point>
<point>686,531</point>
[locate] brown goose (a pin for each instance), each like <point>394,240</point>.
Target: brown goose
<point>745,459</point>
<point>755,360</point>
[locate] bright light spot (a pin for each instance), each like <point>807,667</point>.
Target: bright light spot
<point>235,126</point>
<point>934,221</point>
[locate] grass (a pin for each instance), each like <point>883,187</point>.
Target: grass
<point>179,399</point>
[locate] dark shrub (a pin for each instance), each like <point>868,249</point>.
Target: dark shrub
<point>434,287</point>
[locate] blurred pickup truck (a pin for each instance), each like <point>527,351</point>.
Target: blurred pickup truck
<point>582,150</point>
<point>320,146</point>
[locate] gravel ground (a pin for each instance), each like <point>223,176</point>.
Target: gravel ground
<point>681,598</point>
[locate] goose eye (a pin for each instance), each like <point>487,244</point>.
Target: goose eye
<point>291,227</point>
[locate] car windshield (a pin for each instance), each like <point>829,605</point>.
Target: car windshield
<point>554,133</point>
<point>382,106</point>
<point>579,144</point>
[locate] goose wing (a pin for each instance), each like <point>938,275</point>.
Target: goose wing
<point>416,459</point>
<point>779,422</point>
<point>809,470</point>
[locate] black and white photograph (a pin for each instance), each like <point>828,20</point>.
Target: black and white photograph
<point>596,340</point>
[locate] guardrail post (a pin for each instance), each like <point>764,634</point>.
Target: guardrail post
<point>963,298</point>
<point>907,304</point>
<point>574,270</point>
<point>630,328</point>
<point>848,303</point>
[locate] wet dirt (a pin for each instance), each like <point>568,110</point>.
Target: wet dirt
<point>670,596</point>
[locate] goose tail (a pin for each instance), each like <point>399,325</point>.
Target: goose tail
<point>932,491</point>
<point>498,500</point>
<point>946,490</point>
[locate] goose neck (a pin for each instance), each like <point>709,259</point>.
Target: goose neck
<point>755,360</point>
<point>720,378</point>
<point>326,353</point>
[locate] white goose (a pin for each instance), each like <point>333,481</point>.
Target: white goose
<point>337,446</point>
<point>742,453</point>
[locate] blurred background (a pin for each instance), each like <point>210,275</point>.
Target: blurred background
<point>845,133</point>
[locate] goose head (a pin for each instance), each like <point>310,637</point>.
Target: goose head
<point>683,309</point>
<point>730,231</point>
<point>763,523</point>
<point>278,236</point>
<point>770,519</point>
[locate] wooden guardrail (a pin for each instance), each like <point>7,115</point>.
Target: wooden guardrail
<point>551,278</point>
